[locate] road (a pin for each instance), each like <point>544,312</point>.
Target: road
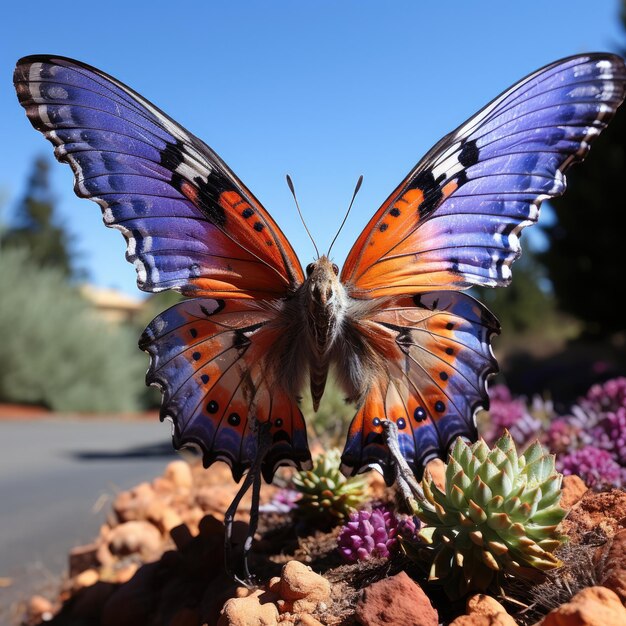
<point>58,477</point>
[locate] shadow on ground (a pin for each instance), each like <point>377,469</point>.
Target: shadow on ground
<point>164,450</point>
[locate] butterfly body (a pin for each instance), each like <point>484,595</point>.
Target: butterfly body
<point>406,344</point>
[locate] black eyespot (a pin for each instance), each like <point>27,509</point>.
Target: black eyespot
<point>336,270</point>
<point>309,268</point>
<point>376,421</point>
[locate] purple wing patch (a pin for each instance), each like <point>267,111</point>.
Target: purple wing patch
<point>434,384</point>
<point>170,194</point>
<point>207,356</point>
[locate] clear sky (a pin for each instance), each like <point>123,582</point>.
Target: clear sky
<point>322,89</point>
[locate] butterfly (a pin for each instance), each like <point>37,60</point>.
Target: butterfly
<point>409,348</point>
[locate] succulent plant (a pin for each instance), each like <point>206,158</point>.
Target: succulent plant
<point>498,515</point>
<point>328,497</point>
<point>595,466</point>
<point>374,533</point>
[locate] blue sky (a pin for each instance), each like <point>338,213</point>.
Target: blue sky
<point>323,90</point>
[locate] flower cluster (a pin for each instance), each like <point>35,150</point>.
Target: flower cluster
<point>590,440</point>
<point>522,419</point>
<point>374,533</point>
<point>596,466</point>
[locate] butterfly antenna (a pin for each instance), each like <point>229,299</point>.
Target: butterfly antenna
<point>308,232</point>
<point>356,190</point>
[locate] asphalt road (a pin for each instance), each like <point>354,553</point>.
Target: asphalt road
<point>58,478</point>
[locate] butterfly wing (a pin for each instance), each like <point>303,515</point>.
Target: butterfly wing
<point>208,358</point>
<point>455,220</point>
<point>438,348</point>
<point>189,222</point>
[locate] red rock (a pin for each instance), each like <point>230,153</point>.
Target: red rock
<point>305,619</point>
<point>593,606</point>
<point>39,609</point>
<point>86,579</point>
<point>179,473</point>
<point>395,600</point>
<point>185,617</point>
<point>181,536</point>
<point>249,611</point>
<point>299,581</point>
<point>132,603</point>
<point>83,557</point>
<point>124,574</point>
<point>135,537</point>
<point>131,505</point>
<point>483,610</point>
<point>604,512</point>
<point>437,470</point>
<point>478,619</point>
<point>88,602</point>
<point>573,490</point>
<point>612,572</point>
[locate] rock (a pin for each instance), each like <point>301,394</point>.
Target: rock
<point>217,498</point>
<point>124,574</point>
<point>249,611</point>
<point>478,619</point>
<point>437,469</point>
<point>572,491</point>
<point>179,473</point>
<point>164,517</point>
<point>300,588</point>
<point>612,569</point>
<point>603,512</point>
<point>88,602</point>
<point>593,606</point>
<point>86,579</point>
<point>131,505</point>
<point>307,620</point>
<point>395,600</point>
<point>82,558</point>
<point>181,536</point>
<point>132,603</point>
<point>135,537</point>
<point>39,609</point>
<point>185,617</point>
<point>483,610</point>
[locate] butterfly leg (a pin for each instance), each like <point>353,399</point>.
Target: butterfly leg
<point>252,479</point>
<point>409,487</point>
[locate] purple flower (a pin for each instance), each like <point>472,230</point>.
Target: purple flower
<point>610,434</point>
<point>373,533</point>
<point>595,466</point>
<point>284,501</point>
<point>563,435</point>
<point>512,414</point>
<point>606,397</point>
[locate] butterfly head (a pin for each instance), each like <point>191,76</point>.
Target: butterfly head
<point>324,300</point>
<point>322,282</point>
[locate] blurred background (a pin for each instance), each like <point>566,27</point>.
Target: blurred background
<point>325,91</point>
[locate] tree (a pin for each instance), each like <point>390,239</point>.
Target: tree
<point>585,259</point>
<point>34,226</point>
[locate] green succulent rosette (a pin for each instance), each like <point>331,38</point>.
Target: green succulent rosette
<point>328,497</point>
<point>499,514</point>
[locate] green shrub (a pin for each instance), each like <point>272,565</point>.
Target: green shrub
<point>55,351</point>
